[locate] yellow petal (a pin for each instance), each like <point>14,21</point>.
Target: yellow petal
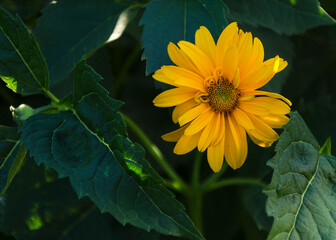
<point>242,119</point>
<point>275,65</point>
<point>174,136</point>
<point>258,142</point>
<point>263,73</point>
<point>184,77</point>
<point>180,58</point>
<point>235,155</point>
<point>274,121</point>
<point>161,77</point>
<point>244,52</point>
<point>186,144</point>
<point>224,41</point>
<point>230,63</point>
<point>221,129</point>
<point>173,97</point>
<point>205,42</point>
<point>262,131</point>
<point>234,131</point>
<point>257,56</point>
<point>253,107</point>
<point>236,81</point>
<point>269,94</point>
<point>209,133</point>
<point>273,105</point>
<point>192,113</point>
<point>198,57</point>
<point>282,65</point>
<point>215,155</point>
<point>200,122</point>
<point>180,109</point>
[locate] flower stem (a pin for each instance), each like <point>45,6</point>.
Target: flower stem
<point>196,169</point>
<point>233,181</point>
<point>195,195</point>
<point>156,153</point>
<point>215,176</point>
<point>195,203</point>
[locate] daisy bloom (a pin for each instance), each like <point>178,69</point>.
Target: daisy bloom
<point>216,98</point>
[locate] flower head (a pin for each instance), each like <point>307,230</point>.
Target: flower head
<point>216,98</point>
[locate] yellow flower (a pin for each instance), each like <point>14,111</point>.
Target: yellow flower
<point>216,98</point>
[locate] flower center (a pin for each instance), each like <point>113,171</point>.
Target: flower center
<point>223,96</point>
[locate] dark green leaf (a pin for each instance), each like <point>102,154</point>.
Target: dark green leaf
<point>174,20</point>
<point>90,146</point>
<point>12,156</point>
<point>326,148</point>
<point>301,194</point>
<point>22,65</point>
<point>71,29</point>
<point>39,206</point>
<point>282,16</point>
<point>114,175</point>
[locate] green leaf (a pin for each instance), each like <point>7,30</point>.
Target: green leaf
<point>12,157</point>
<point>90,146</point>
<point>301,194</point>
<point>174,20</point>
<point>113,174</point>
<point>71,29</point>
<point>282,16</point>
<point>39,206</point>
<point>326,148</point>
<point>22,65</point>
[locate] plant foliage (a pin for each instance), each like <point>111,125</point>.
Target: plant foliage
<point>68,166</point>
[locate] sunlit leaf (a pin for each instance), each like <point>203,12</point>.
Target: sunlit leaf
<point>282,16</point>
<point>174,20</point>
<point>301,194</point>
<point>22,65</point>
<point>326,148</point>
<point>68,30</point>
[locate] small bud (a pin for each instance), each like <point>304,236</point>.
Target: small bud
<point>22,112</point>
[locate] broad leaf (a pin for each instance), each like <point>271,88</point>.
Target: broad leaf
<point>22,65</point>
<point>282,16</point>
<point>12,157</point>
<point>70,29</point>
<point>90,146</point>
<point>39,206</point>
<point>301,192</point>
<point>174,20</point>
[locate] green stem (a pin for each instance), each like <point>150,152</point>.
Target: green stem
<point>195,195</point>
<point>155,152</point>
<point>195,203</point>
<point>215,176</point>
<point>196,169</point>
<point>233,181</point>
<point>51,96</point>
<point>43,108</point>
